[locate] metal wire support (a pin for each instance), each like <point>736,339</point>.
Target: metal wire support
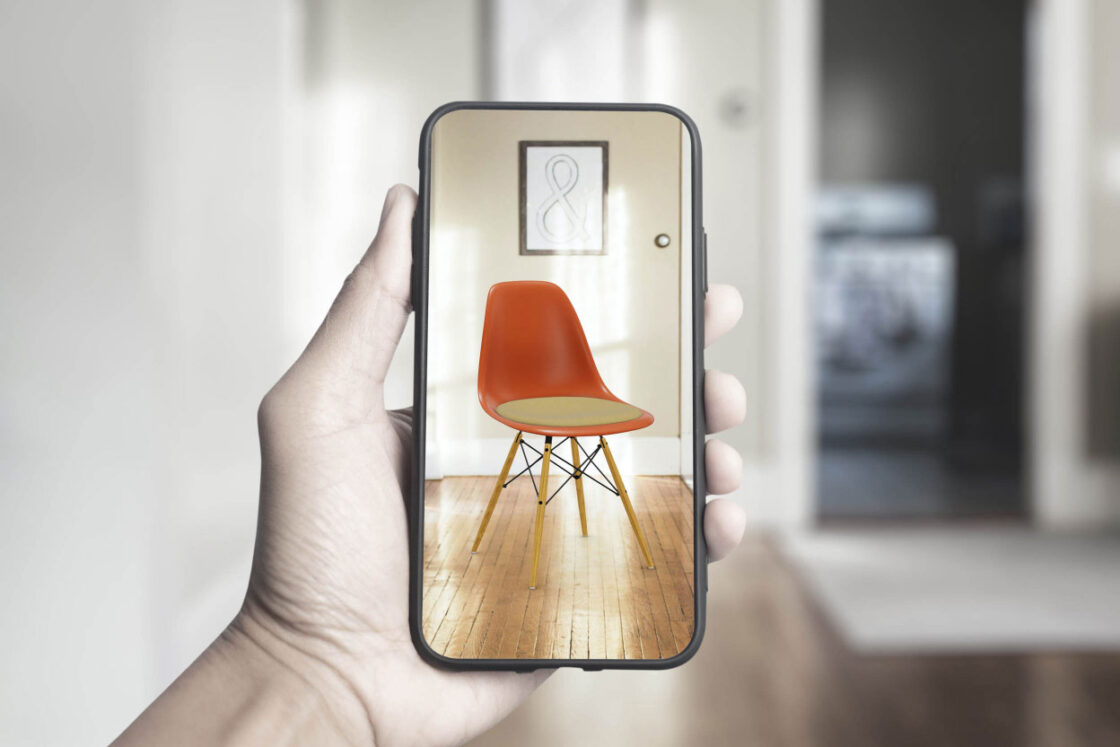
<point>565,466</point>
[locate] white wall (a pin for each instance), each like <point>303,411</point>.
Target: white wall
<point>79,400</point>
<point>1075,277</point>
<point>779,486</point>
<point>746,72</point>
<point>144,248</point>
<point>186,185</point>
<point>373,73</point>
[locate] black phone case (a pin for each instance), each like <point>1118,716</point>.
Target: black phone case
<point>420,234</point>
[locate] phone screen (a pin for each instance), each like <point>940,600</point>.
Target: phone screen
<point>558,403</point>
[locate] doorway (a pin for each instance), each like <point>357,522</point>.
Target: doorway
<point>919,259</point>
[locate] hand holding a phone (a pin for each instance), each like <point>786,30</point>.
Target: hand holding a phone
<point>321,651</point>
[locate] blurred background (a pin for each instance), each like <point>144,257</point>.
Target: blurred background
<point>919,201</point>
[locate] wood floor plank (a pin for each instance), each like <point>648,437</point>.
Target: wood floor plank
<point>552,584</point>
<point>612,614</point>
<point>679,599</point>
<point>631,635</point>
<point>469,621</point>
<point>595,597</point>
<point>660,604</point>
<point>596,604</point>
<point>446,573</point>
<point>562,633</point>
<point>581,595</point>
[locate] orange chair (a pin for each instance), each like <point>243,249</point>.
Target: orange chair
<point>536,375</point>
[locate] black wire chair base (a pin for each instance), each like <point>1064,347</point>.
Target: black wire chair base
<point>564,465</point>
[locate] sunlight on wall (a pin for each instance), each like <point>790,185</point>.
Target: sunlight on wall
<point>339,173</point>
<point>1110,166</point>
<point>572,51</point>
<point>606,303</point>
<point>627,299</point>
<point>452,355</point>
<point>661,53</point>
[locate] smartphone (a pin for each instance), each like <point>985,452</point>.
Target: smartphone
<point>558,479</point>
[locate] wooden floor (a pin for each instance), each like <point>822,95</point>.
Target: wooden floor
<point>772,672</point>
<point>595,597</point>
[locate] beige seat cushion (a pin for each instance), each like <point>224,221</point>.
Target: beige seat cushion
<point>563,412</point>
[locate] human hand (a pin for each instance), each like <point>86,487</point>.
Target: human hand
<point>324,627</point>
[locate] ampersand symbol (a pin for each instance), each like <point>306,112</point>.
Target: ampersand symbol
<point>572,226</point>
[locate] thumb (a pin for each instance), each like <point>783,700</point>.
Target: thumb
<point>361,331</point>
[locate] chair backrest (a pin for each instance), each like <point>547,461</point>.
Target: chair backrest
<point>533,346</point>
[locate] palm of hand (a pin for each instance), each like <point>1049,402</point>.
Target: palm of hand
<point>331,574</point>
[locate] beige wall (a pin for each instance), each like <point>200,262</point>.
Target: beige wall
<point>628,299</point>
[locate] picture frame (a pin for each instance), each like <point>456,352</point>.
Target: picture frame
<point>563,196</point>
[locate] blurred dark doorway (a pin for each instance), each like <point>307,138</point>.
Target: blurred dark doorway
<point>919,264</point>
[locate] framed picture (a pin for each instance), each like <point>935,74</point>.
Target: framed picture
<point>563,196</point>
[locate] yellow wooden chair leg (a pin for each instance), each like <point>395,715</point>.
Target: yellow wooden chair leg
<point>542,496</point>
<point>497,491</point>
<point>626,502</point>
<point>579,486</point>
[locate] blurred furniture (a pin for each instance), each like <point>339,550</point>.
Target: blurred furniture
<point>536,375</point>
<point>884,287</point>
